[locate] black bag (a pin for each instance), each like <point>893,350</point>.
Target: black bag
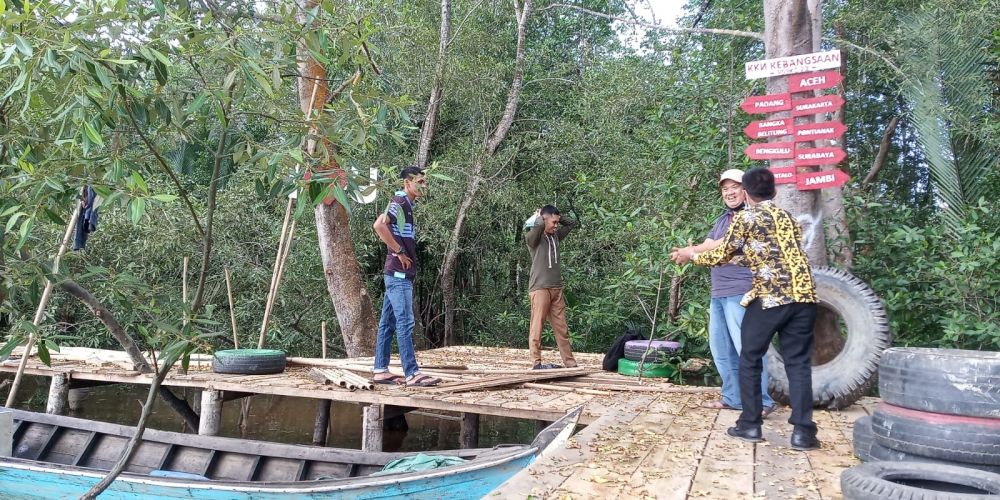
<point>617,350</point>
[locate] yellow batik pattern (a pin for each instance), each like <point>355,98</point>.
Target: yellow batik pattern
<point>769,238</point>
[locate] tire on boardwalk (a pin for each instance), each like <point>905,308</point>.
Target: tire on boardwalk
<point>916,480</point>
<point>249,361</point>
<point>844,379</point>
<point>868,450</point>
<point>936,435</point>
<point>649,370</point>
<point>951,381</point>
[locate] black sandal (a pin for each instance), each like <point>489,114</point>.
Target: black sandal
<point>421,380</point>
<point>393,380</point>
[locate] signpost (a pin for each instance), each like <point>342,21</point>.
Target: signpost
<point>767,103</point>
<point>819,156</point>
<point>817,105</point>
<point>762,129</point>
<point>771,151</point>
<point>814,81</point>
<point>820,180</point>
<point>783,175</point>
<point>819,131</point>
<point>792,64</point>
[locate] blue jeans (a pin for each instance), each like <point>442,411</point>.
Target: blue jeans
<point>724,319</point>
<point>397,314</point>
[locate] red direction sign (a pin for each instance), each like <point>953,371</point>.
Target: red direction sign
<point>762,129</point>
<point>819,131</point>
<point>767,103</point>
<point>771,151</point>
<point>816,105</point>
<point>814,81</point>
<point>819,156</point>
<point>783,175</point>
<point>820,180</point>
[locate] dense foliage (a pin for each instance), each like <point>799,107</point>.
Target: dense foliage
<point>624,130</point>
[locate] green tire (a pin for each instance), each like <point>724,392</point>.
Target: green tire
<point>631,369</point>
<point>249,361</point>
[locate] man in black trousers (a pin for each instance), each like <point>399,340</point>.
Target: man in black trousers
<point>782,300</point>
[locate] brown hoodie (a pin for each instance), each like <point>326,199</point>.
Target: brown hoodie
<point>544,250</point>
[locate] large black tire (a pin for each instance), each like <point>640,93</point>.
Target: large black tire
<point>868,450</point>
<point>917,481</point>
<point>249,361</point>
<point>949,381</point>
<point>936,435</point>
<point>844,379</point>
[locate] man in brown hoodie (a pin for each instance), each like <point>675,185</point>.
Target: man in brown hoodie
<point>545,288</point>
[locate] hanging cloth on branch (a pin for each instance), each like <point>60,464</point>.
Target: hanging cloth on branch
<point>87,222</point>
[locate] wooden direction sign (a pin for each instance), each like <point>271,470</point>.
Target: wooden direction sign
<point>767,103</point>
<point>783,175</point>
<point>771,151</point>
<point>792,64</point>
<point>820,180</point>
<point>762,129</point>
<point>814,81</point>
<point>816,105</point>
<point>819,131</point>
<point>819,156</point>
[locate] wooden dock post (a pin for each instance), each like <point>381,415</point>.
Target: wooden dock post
<point>371,430</point>
<point>469,435</point>
<point>76,397</point>
<point>322,423</point>
<point>211,413</point>
<point>6,432</point>
<point>58,394</point>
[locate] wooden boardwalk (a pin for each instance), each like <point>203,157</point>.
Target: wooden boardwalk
<point>641,441</point>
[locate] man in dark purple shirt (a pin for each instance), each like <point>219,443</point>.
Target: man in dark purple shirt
<point>729,283</point>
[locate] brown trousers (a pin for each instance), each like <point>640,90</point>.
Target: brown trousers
<point>547,303</point>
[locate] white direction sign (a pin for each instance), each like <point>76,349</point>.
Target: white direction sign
<point>801,63</point>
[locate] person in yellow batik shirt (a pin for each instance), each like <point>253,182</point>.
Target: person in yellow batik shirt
<point>782,300</point>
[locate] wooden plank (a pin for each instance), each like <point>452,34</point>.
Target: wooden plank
<point>49,440</point>
<point>781,471</point>
<point>510,380</point>
<point>209,462</point>
<point>668,470</point>
<point>168,454</point>
<point>836,455</point>
<point>726,467</point>
<point>254,468</point>
<point>85,449</point>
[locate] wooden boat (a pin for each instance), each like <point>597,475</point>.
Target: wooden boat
<point>62,457</point>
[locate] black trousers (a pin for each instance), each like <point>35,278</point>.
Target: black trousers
<point>794,325</point>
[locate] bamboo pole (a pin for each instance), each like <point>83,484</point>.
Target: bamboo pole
<point>184,286</point>
<point>322,330</point>
<point>232,307</point>
<point>274,273</point>
<point>42,305</point>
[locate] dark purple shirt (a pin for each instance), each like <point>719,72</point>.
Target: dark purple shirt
<point>728,279</point>
<point>400,212</point>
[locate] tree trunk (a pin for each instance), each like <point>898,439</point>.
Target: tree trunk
<point>788,30</point>
<point>437,88</point>
<point>350,298</point>
<point>475,177</point>
<point>883,152</point>
<point>102,313</point>
<point>792,27</point>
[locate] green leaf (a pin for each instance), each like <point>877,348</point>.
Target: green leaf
<point>14,342</point>
<point>160,9</point>
<point>23,45</point>
<point>341,196</point>
<point>92,134</point>
<point>43,354</point>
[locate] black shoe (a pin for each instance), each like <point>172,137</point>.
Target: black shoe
<point>803,442</point>
<point>545,366</point>
<point>751,435</point>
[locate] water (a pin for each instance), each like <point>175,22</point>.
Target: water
<point>272,418</point>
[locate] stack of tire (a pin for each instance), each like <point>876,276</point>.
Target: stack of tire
<point>936,432</point>
<point>649,356</point>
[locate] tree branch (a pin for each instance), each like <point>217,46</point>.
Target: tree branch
<point>883,152</point>
<point>655,26</point>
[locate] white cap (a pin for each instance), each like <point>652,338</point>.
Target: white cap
<point>733,174</point>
